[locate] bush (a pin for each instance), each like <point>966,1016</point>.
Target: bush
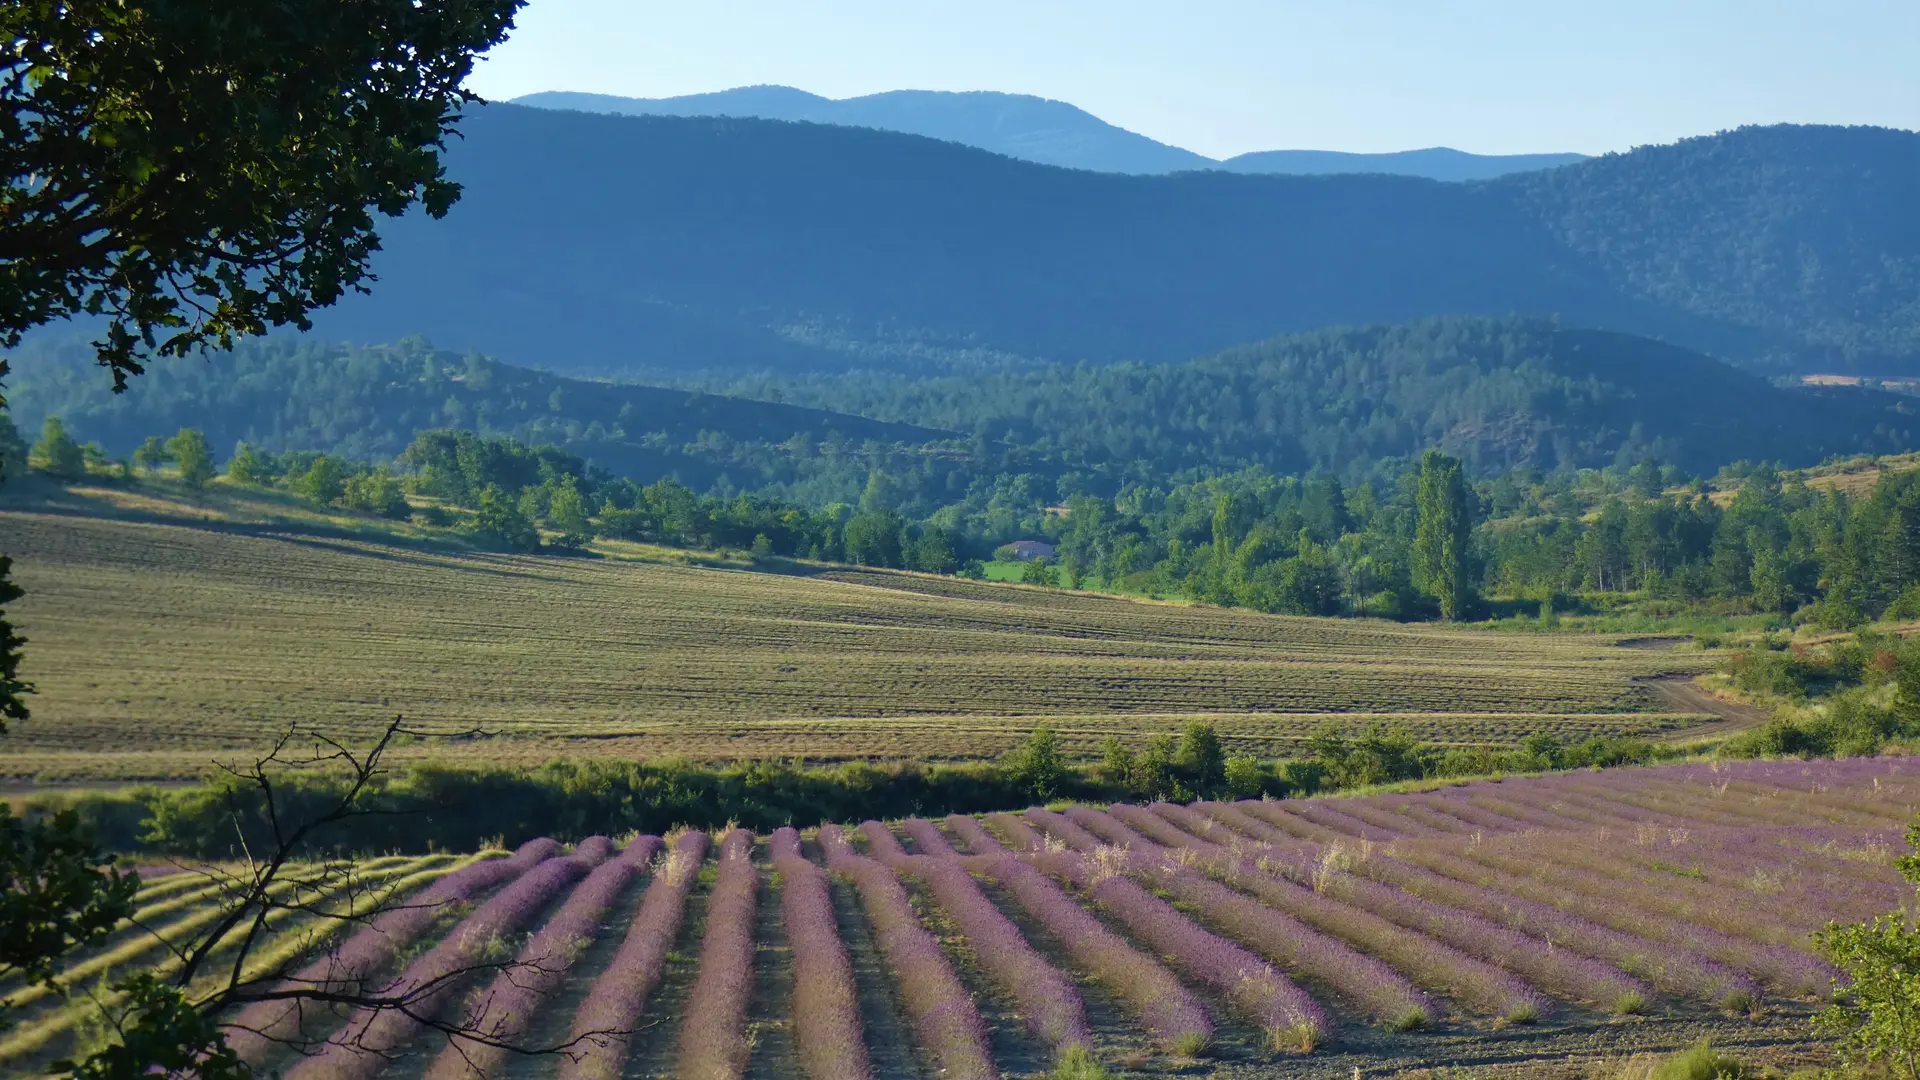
<point>1906,606</point>
<point>1246,778</point>
<point>439,808</point>
<point>1698,1062</point>
<point>1850,723</point>
<point>1766,673</point>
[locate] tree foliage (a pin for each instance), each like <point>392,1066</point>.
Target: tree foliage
<point>13,688</point>
<point>1875,1017</point>
<point>57,893</point>
<point>193,173</point>
<point>57,454</point>
<point>1442,535</point>
<point>188,448</point>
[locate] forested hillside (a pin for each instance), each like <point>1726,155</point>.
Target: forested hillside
<point>368,403</point>
<point>1499,393</point>
<point>634,245</point>
<point>1803,233</point>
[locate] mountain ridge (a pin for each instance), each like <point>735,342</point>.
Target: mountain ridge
<point>1037,129</point>
<point>643,246</point>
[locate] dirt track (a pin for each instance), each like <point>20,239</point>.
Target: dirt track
<point>1681,694</point>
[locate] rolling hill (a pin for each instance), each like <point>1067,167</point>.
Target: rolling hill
<point>1035,129</point>
<point>637,245</point>
<point>1500,393</point>
<point>291,393</point>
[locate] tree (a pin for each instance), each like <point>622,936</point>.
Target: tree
<point>1442,534</point>
<point>194,173</point>
<point>933,552</point>
<point>499,522</point>
<point>1201,761</point>
<point>152,454</point>
<point>56,452</point>
<point>189,448</point>
<point>247,466</point>
<point>568,513</point>
<point>377,492</point>
<point>13,450</point>
<point>872,538</point>
<point>324,482</point>
<point>1037,766</point>
<point>1875,1016</point>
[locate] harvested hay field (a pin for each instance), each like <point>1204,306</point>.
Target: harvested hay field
<point>155,646</point>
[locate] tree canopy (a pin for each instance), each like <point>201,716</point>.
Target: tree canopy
<point>191,173</point>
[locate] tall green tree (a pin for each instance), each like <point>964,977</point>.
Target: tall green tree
<point>189,449</point>
<point>152,454</point>
<point>57,453</point>
<point>1038,766</point>
<point>1443,532</point>
<point>323,483</point>
<point>567,510</point>
<point>1201,759</point>
<point>247,466</point>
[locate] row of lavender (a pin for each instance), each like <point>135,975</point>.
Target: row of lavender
<point>1502,901</point>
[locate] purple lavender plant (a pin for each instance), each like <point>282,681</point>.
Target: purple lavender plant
<point>826,1004</point>
<point>1286,1016</point>
<point>943,1012</point>
<point>1168,1010</point>
<point>365,1046</point>
<point>713,1037</point>
<point>602,1028</point>
<point>505,1011</point>
<point>366,955</point>
<point>1053,1007</point>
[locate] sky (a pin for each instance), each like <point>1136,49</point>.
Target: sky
<point>1223,77</point>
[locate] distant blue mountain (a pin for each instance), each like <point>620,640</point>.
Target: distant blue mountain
<point>1037,129</point>
<point>1017,125</point>
<point>1436,163</point>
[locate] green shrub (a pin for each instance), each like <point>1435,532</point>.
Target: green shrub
<point>1698,1062</point>
<point>1906,606</point>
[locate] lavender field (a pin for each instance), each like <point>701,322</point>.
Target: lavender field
<point>1557,920</point>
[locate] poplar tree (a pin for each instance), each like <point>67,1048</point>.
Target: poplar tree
<point>1442,534</point>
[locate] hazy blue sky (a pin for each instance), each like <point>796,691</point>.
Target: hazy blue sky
<point>1226,76</point>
